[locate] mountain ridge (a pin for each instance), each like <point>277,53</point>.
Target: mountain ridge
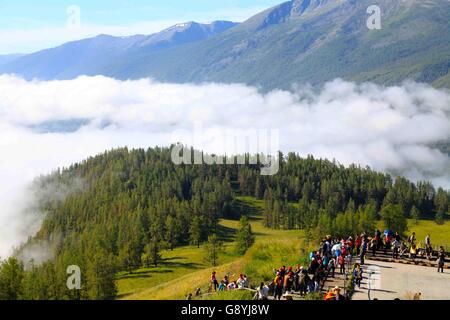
<point>295,42</point>
<point>92,55</point>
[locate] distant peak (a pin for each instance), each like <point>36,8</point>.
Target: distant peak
<point>185,24</point>
<point>102,35</point>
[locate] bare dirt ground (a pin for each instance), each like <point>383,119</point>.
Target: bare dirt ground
<point>394,280</point>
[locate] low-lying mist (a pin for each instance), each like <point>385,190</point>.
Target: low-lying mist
<point>46,125</point>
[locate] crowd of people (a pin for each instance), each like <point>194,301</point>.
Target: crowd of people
<point>227,284</point>
<point>334,256</point>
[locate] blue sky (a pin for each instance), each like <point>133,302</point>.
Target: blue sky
<point>27,26</point>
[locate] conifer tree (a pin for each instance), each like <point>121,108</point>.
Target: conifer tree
<point>244,236</point>
<point>213,248</point>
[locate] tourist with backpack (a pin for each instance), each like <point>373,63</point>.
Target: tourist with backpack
<point>395,249</point>
<point>288,282</point>
<point>331,268</point>
<point>278,286</point>
<point>303,282</point>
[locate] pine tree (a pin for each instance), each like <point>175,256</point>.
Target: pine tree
<point>441,202</point>
<point>195,232</point>
<point>440,218</point>
<point>244,236</point>
<point>171,232</point>
<point>11,276</point>
<point>259,192</point>
<point>415,215</point>
<point>152,253</point>
<point>100,275</point>
<point>213,248</point>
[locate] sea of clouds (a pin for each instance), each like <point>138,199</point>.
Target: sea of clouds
<point>392,129</point>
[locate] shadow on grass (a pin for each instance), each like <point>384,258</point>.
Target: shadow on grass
<point>187,265</point>
<point>247,209</point>
<point>164,267</point>
<point>226,234</point>
<point>122,296</point>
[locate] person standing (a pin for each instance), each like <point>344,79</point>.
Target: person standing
<point>413,251</point>
<point>373,246</point>
<point>395,249</point>
<point>278,286</point>
<point>341,261</point>
<point>428,248</point>
<point>362,255</point>
<point>288,281</point>
<point>388,240</point>
<point>214,283</point>
<point>358,274</point>
<point>304,281</point>
<point>441,259</point>
<point>331,267</point>
<point>378,239</point>
<point>358,243</point>
<point>412,239</point>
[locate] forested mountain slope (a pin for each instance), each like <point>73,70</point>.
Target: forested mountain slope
<point>126,205</point>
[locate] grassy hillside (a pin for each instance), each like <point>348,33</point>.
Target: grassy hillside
<point>183,269</point>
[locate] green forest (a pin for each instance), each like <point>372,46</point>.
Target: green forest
<point>126,206</point>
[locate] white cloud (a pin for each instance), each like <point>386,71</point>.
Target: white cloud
<point>390,129</point>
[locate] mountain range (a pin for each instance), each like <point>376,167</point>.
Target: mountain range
<point>296,42</point>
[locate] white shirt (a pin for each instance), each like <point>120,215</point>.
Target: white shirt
<point>263,292</point>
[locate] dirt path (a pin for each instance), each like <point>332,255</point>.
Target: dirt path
<point>393,280</point>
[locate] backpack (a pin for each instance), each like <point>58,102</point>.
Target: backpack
<point>332,263</point>
<point>278,281</point>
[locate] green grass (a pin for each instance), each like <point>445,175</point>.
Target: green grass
<point>175,264</point>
